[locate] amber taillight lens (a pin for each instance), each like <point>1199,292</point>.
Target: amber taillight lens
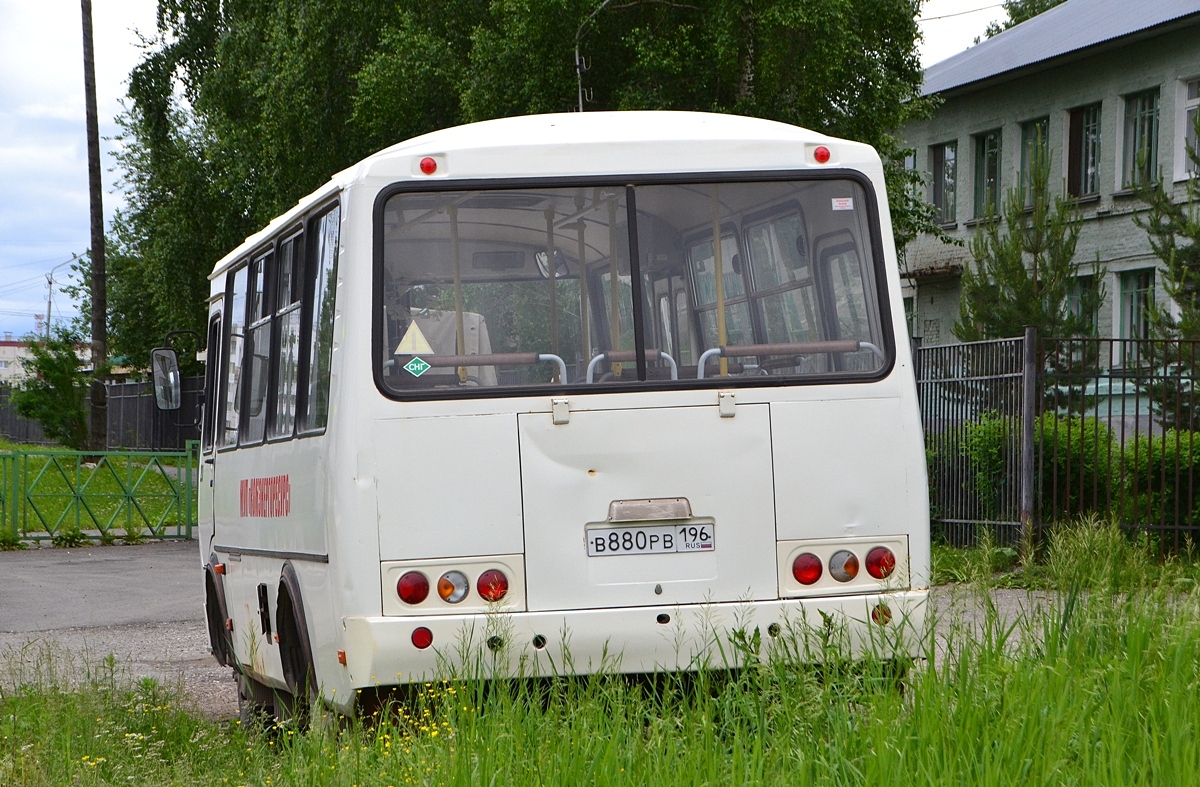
<point>843,566</point>
<point>453,586</point>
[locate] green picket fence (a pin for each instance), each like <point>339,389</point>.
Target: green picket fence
<point>67,496</point>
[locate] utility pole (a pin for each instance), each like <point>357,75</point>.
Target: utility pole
<point>98,411</point>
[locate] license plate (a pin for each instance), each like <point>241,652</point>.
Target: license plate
<point>650,539</point>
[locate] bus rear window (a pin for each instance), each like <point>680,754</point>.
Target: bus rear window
<point>534,288</point>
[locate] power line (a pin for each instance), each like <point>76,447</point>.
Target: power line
<point>958,13</point>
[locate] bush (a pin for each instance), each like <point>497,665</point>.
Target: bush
<point>1078,466</point>
<point>1162,478</point>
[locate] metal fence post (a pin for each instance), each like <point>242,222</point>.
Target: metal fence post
<point>1028,414</point>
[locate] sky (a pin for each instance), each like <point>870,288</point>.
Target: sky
<point>43,142</point>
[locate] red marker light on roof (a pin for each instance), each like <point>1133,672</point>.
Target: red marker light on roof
<point>429,165</point>
<point>821,154</point>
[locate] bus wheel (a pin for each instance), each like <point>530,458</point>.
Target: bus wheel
<point>258,704</point>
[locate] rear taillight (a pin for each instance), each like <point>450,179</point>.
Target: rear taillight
<point>422,637</point>
<point>453,586</point>
<point>807,568</point>
<point>881,562</point>
<point>413,587</point>
<point>843,566</point>
<point>492,585</point>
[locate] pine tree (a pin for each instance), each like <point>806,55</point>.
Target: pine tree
<point>1025,268</point>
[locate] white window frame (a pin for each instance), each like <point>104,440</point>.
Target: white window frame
<point>1128,174</point>
<point>1185,105</point>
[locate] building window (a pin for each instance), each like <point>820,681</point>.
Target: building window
<point>1082,298</point>
<point>1190,106</point>
<point>1141,139</point>
<point>1034,136</point>
<point>3,364</point>
<point>1137,298</point>
<point>943,161</point>
<point>987,172</point>
<point>1083,151</point>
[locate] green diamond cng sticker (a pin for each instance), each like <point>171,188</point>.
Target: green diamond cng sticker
<point>416,367</point>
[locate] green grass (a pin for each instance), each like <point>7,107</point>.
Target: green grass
<point>1096,689</point>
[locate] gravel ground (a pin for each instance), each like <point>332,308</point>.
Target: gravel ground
<point>62,611</point>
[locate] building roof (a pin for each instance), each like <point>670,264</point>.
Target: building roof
<point>1069,28</point>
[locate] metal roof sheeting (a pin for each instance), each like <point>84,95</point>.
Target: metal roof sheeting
<point>1066,28</point>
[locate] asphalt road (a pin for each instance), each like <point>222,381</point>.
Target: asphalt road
<point>62,611</point>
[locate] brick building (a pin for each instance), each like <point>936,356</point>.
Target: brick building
<point>1112,86</point>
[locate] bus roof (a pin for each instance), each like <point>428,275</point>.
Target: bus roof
<point>591,143</point>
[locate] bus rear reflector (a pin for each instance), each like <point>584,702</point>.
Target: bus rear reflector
<point>492,585</point>
<point>413,587</point>
<point>881,562</point>
<point>806,568</point>
<point>422,638</point>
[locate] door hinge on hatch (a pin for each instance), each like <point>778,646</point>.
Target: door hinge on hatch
<point>726,404</point>
<point>560,411</point>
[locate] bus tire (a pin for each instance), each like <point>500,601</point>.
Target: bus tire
<point>259,705</point>
<point>295,650</point>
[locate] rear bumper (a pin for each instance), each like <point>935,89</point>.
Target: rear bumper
<point>380,652</point>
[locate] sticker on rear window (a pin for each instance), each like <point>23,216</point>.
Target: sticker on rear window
<point>843,203</point>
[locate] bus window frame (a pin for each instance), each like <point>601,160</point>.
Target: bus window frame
<point>310,270</point>
<point>633,181</point>
<point>213,368</point>
<point>266,255</point>
<point>296,233</point>
<point>226,341</point>
<point>300,229</point>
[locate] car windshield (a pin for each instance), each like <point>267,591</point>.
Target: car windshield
<point>533,288</point>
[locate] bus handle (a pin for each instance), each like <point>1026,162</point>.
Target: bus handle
<point>798,348</point>
<point>498,359</point>
<point>627,356</point>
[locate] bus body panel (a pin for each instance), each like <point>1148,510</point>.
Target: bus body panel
<point>572,473</point>
<point>439,495</point>
<point>857,490</point>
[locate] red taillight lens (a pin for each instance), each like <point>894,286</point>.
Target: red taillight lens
<point>413,587</point>
<point>492,585</point>
<point>881,615</point>
<point>453,586</point>
<point>422,638</point>
<point>843,566</point>
<point>881,562</point>
<point>807,568</point>
<point>429,165</point>
<point>821,154</point>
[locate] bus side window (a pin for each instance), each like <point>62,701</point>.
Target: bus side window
<point>320,289</point>
<point>844,282</point>
<point>289,295</point>
<point>235,307</point>
<point>258,349</point>
<point>211,384</point>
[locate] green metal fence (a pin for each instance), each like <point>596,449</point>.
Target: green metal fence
<point>68,496</point>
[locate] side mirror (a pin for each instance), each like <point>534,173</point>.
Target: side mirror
<point>164,365</point>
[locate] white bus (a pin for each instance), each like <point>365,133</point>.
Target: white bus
<point>584,390</point>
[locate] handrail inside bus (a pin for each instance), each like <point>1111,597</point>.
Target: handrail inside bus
<point>492,359</point>
<point>626,356</point>
<point>797,348</point>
